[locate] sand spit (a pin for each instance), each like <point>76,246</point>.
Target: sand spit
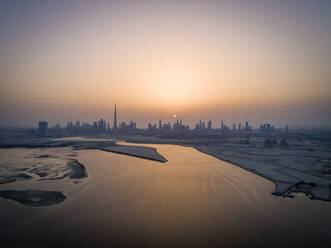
<point>85,144</point>
<point>137,151</point>
<point>33,198</point>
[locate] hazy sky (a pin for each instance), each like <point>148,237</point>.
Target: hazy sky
<point>219,60</point>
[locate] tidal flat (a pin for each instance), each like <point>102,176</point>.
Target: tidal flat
<point>24,174</point>
<point>47,160</point>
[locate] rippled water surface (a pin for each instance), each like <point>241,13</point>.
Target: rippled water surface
<point>192,200</point>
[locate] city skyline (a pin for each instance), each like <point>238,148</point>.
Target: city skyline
<point>160,125</point>
<point>217,122</point>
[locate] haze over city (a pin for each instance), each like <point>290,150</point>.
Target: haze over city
<point>220,60</point>
<point>165,123</point>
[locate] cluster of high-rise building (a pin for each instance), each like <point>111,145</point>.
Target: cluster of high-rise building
<point>85,128</point>
<point>200,126</point>
<point>100,126</point>
<point>128,127</point>
<point>267,128</point>
<point>167,128</point>
<point>177,128</point>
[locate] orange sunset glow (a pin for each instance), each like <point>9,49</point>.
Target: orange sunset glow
<point>165,123</point>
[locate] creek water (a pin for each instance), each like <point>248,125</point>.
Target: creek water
<point>193,200</point>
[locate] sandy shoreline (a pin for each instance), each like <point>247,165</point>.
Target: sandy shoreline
<point>288,180</point>
<point>316,191</point>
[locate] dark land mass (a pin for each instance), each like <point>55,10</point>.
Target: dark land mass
<point>33,198</point>
<point>14,178</point>
<point>79,170</point>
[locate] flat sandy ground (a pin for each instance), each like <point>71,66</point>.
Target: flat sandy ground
<point>137,151</point>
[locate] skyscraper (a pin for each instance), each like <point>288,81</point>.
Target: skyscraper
<point>43,126</point>
<point>209,125</point>
<point>115,119</point>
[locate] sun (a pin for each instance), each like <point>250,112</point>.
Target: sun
<point>174,115</point>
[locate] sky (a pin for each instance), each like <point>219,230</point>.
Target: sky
<point>261,61</point>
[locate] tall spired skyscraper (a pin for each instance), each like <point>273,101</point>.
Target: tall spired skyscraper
<point>115,118</point>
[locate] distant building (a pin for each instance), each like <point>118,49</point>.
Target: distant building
<point>77,125</point>
<point>115,119</point>
<point>127,127</point>
<point>101,125</point>
<point>43,128</point>
<point>179,128</point>
<point>200,126</point>
<point>160,124</point>
<point>151,128</point>
<point>266,128</point>
<point>209,125</point>
<point>224,128</point>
